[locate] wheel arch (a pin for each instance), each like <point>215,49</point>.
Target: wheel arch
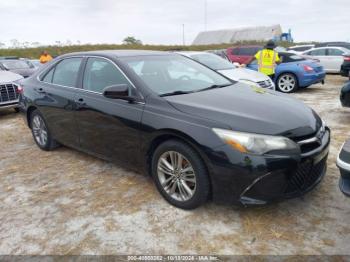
<point>167,134</point>
<point>29,112</point>
<point>288,72</point>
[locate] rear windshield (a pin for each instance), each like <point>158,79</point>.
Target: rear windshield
<point>15,64</point>
<point>288,58</point>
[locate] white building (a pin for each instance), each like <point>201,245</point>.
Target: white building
<point>226,36</point>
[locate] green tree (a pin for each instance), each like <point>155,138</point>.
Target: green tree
<point>130,40</point>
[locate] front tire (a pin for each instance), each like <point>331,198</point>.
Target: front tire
<point>287,83</point>
<point>41,133</point>
<point>180,175</point>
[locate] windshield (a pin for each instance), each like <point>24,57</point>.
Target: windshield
<point>15,64</point>
<point>173,73</point>
<point>213,61</point>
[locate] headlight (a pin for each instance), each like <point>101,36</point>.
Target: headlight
<point>248,82</point>
<point>254,143</point>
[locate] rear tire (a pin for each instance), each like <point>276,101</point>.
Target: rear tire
<point>287,83</point>
<point>180,175</point>
<point>41,133</point>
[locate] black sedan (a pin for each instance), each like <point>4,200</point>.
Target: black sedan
<point>345,67</point>
<point>199,135</point>
<point>18,66</point>
<point>345,95</point>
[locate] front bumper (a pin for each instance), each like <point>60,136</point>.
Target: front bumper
<point>257,180</point>
<point>343,163</point>
<point>8,104</point>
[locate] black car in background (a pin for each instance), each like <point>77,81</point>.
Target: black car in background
<point>345,67</point>
<point>199,135</point>
<point>345,95</point>
<point>18,66</point>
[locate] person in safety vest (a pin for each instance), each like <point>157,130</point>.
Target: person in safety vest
<point>45,57</point>
<point>267,59</point>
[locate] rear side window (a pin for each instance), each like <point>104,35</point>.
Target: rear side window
<point>66,72</point>
<point>100,73</point>
<point>334,52</point>
<point>318,52</point>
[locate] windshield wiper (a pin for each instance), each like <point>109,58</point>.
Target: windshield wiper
<point>175,93</point>
<point>213,87</point>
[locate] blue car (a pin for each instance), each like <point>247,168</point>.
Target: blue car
<point>295,72</point>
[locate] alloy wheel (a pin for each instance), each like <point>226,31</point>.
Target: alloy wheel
<point>176,176</point>
<point>39,130</point>
<point>286,83</point>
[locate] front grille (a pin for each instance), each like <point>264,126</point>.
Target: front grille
<point>305,176</point>
<point>8,93</point>
<point>265,84</point>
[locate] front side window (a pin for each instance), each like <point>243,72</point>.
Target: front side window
<point>100,73</point>
<point>66,72</point>
<point>170,73</point>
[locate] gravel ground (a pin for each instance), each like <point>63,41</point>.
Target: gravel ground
<point>66,202</point>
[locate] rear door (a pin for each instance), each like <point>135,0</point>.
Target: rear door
<point>107,127</point>
<point>335,59</point>
<point>57,90</point>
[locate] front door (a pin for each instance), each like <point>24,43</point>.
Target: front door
<point>108,127</point>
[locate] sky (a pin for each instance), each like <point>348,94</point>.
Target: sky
<point>161,21</point>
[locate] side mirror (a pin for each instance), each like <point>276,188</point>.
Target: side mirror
<point>118,92</point>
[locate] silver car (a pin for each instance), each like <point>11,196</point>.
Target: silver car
<point>9,90</point>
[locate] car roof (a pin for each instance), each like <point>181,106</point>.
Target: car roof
<point>189,53</point>
<point>118,53</point>
<point>328,47</point>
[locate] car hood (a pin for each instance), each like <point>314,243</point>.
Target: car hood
<point>7,77</point>
<point>250,109</point>
<point>24,72</point>
<point>243,74</point>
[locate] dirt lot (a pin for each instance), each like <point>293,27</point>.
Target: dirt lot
<point>66,202</point>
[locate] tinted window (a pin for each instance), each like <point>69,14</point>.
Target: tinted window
<point>248,51</point>
<point>235,51</point>
<point>318,52</point>
<point>66,72</point>
<point>100,73</point>
<point>335,52</point>
<point>48,77</point>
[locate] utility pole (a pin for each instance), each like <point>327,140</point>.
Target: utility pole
<point>183,35</point>
<point>205,14</point>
